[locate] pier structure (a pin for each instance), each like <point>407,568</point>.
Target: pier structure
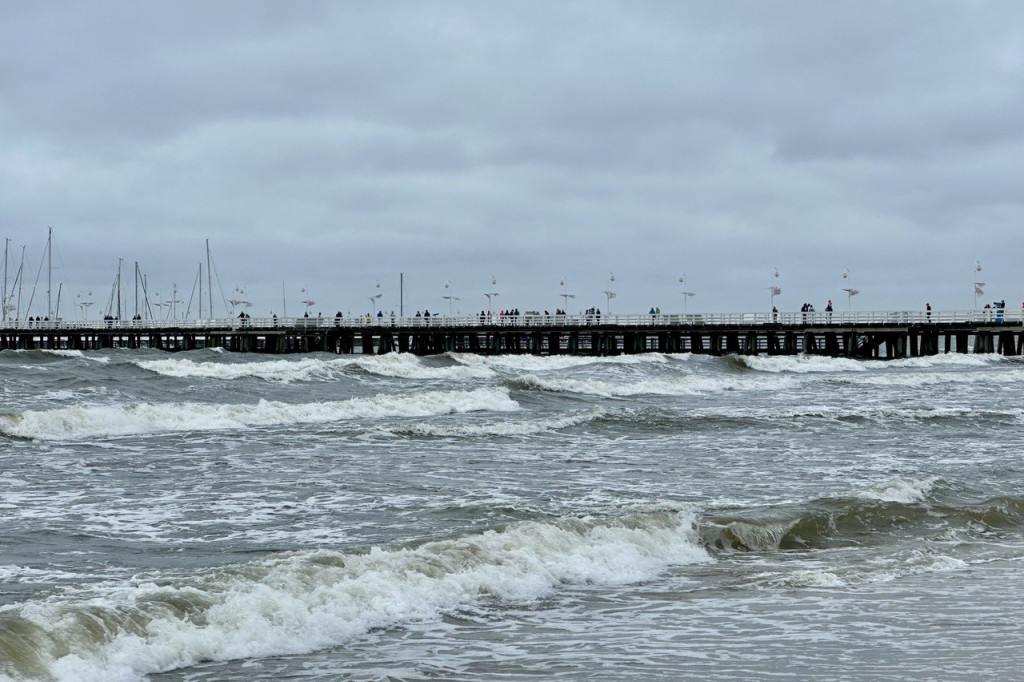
<point>863,335</point>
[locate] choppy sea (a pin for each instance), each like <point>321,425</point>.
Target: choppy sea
<point>211,516</point>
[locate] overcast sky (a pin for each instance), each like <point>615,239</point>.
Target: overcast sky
<point>332,145</point>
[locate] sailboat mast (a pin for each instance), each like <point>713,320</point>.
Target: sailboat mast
<point>3,303</point>
<point>119,287</point>
<point>201,290</point>
<point>21,280</point>
<point>209,278</point>
<point>136,290</point>
<point>49,273</point>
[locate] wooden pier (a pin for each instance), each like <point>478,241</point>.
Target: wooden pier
<point>864,335</point>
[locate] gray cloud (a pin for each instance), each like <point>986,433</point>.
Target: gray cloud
<point>329,146</point>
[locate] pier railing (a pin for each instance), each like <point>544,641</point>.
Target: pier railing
<point>847,318</point>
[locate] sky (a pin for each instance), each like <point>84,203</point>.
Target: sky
<point>324,147</point>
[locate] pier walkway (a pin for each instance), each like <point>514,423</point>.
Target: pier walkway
<point>877,334</point>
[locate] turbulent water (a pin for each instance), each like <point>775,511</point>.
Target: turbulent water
<point>208,516</point>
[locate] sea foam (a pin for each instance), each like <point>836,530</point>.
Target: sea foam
<point>305,601</point>
<point>79,422</point>
<point>680,385</point>
<point>401,365</point>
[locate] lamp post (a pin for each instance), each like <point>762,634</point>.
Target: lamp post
<point>173,303</point>
<point>565,295</point>
<point>308,301</point>
<point>450,297</point>
<point>374,297</point>
<point>609,294</point>
<point>978,286</point>
<point>686,294</point>
<point>83,304</point>
<point>237,301</point>
<point>774,290</point>
<point>850,291</point>
<point>491,294</point>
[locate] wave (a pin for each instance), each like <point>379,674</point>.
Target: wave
<point>78,422</point>
<point>505,427</point>
<point>543,363</point>
<point>854,520</point>
<point>801,364</point>
<point>43,352</point>
<point>805,364</point>
<point>305,601</point>
<point>311,368</point>
<point>917,380</point>
<point>683,385</point>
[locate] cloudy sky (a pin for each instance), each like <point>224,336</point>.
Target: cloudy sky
<point>329,146</point>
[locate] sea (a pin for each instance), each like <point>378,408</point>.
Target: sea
<point>214,516</point>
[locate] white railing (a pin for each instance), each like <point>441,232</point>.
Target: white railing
<point>533,320</point>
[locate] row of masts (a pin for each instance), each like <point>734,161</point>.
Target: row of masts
<point>11,294</point>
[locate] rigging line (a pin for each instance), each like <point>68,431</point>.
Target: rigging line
<point>60,262</point>
<point>35,284</point>
<point>113,291</point>
<point>220,286</point>
<point>196,283</point>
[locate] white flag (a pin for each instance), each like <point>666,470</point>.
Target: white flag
<point>776,290</point>
<point>978,288</point>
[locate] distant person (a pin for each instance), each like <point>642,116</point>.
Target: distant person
<point>775,314</point>
<point>828,311</point>
<point>928,311</point>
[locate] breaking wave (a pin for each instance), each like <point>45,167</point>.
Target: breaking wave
<point>301,602</point>
<point>681,385</point>
<point>504,427</point>
<point>867,516</point>
<point>312,368</point>
<point>78,422</point>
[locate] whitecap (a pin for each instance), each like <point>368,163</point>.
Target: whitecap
<point>79,422</point>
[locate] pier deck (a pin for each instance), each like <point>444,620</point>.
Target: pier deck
<point>868,335</point>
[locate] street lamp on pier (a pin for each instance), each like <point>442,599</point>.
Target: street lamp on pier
<point>774,289</point>
<point>451,296</point>
<point>491,294</point>
<point>565,295</point>
<point>375,297</point>
<point>686,294</point>
<point>979,287</point>
<point>609,294</point>
<point>850,291</point>
<point>308,301</point>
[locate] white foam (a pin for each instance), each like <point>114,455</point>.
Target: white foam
<point>802,363</point>
<point>403,365</point>
<point>681,385</point>
<point>948,360</point>
<point>311,600</point>
<point>505,427</point>
<point>541,363</point>
<point>899,490</point>
<point>49,351</point>
<point>811,578</point>
<point>908,380</point>
<point>400,365</point>
<point>79,422</point>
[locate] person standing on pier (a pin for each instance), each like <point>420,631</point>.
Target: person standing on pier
<point>928,311</point>
<point>828,310</point>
